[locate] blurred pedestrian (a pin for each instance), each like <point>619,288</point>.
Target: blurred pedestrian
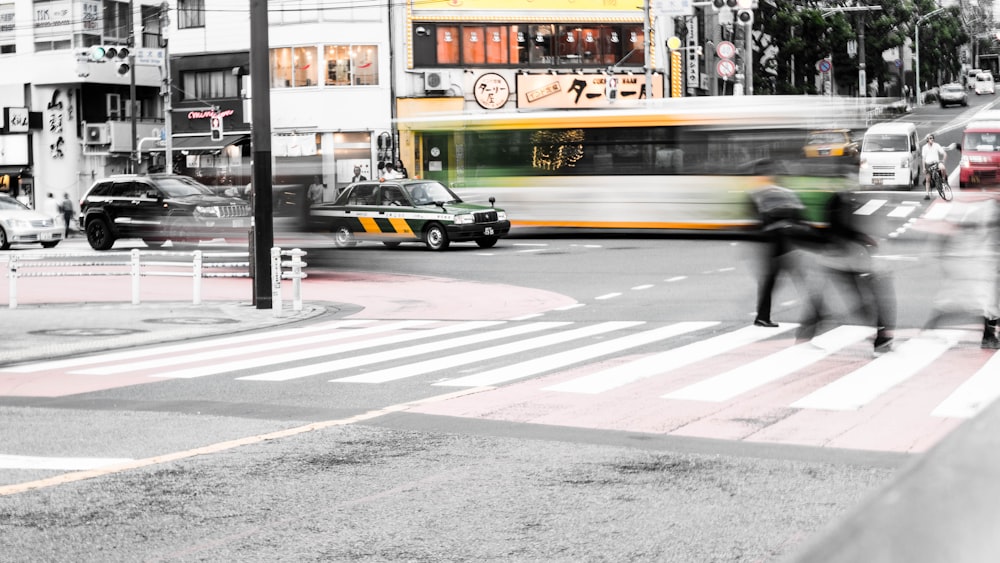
<point>401,169</point>
<point>67,212</point>
<point>970,261</point>
<point>316,191</point>
<point>391,173</point>
<point>358,176</point>
<point>844,260</point>
<point>783,229</point>
<point>52,208</point>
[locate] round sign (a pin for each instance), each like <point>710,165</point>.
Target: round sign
<point>674,42</point>
<point>726,68</point>
<point>491,91</point>
<point>725,50</point>
<point>824,65</point>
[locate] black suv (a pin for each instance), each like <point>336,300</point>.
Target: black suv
<point>158,208</point>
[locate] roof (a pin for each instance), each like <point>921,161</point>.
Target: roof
<point>202,143</point>
<point>898,127</point>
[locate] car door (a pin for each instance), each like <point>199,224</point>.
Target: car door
<point>394,208</point>
<point>149,217</point>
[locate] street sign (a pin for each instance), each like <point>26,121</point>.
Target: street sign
<point>149,57</point>
<point>824,65</point>
<point>899,63</point>
<point>725,50</point>
<point>726,68</point>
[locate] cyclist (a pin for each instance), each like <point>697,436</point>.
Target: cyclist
<point>932,154</point>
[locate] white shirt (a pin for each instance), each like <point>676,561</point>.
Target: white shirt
<point>932,153</point>
<point>51,207</point>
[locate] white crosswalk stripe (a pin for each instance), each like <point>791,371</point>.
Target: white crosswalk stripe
<point>668,361</point>
<point>770,368</point>
<point>975,394</point>
<point>865,384</point>
<point>399,353</point>
<point>570,357</point>
<point>437,364</point>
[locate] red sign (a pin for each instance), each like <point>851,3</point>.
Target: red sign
<point>726,68</point>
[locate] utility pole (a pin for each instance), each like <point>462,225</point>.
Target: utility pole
<point>646,47</point>
<point>131,90</point>
<point>862,74</point>
<point>168,108</point>
<point>262,232</point>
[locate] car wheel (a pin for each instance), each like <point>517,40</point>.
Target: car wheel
<point>487,242</point>
<point>343,238</point>
<point>4,242</point>
<point>391,243</point>
<point>436,238</point>
<point>99,235</point>
<point>51,244</point>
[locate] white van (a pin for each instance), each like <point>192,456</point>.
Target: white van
<point>890,157</point>
<point>970,77</point>
<point>984,83</point>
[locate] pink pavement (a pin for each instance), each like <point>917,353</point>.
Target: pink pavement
<point>381,296</point>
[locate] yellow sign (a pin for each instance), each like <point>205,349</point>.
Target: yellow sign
<point>527,5</point>
<point>581,90</point>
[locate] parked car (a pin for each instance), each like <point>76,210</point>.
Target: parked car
<point>952,94</point>
<point>397,211</point>
<point>158,208</point>
<point>19,224</point>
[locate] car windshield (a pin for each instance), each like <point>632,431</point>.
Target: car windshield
<point>425,193</point>
<point>9,204</point>
<point>182,187</point>
<point>825,138</point>
<point>982,142</point>
<point>885,143</point>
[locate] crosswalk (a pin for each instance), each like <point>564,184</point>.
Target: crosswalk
<point>692,363</point>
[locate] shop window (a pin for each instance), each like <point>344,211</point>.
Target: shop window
<point>473,45</point>
<point>210,84</point>
<point>447,45</point>
<point>498,50</point>
<point>634,51</point>
<point>281,67</point>
<point>364,65</point>
<point>338,65</point>
<point>351,65</point>
<point>541,50</point>
<point>304,66</point>
<point>293,67</point>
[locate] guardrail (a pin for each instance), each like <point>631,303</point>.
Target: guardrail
<point>140,263</point>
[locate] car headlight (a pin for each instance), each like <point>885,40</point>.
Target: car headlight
<point>18,223</point>
<point>904,163</point>
<point>207,211</point>
<point>466,219</point>
<point>864,163</point>
<point>501,215</point>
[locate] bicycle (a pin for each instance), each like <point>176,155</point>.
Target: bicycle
<point>940,183</point>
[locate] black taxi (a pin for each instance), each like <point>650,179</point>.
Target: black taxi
<point>398,211</point>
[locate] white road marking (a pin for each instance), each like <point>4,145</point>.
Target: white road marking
<point>669,360</point>
<point>607,296</point>
<point>975,394</point>
<point>871,206</point>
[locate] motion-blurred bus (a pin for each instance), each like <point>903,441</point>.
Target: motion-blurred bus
<point>658,165</point>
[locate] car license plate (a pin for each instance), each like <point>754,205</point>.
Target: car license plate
<point>488,231</point>
<point>46,236</point>
<point>824,152</point>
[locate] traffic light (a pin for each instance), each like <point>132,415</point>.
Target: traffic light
<point>216,124</point>
<point>745,13</point>
<point>112,54</point>
<point>720,4</point>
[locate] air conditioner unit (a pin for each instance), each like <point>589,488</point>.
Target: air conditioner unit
<point>96,134</point>
<point>436,81</point>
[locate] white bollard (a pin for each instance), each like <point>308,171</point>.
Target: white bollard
<point>136,274</point>
<point>12,276</point>
<point>297,276</point>
<point>276,281</point>
<point>196,270</point>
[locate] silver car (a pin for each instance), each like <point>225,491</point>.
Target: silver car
<point>953,94</point>
<point>19,224</point>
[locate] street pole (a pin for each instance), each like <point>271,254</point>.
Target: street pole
<point>262,238</point>
<point>134,160</point>
<point>168,108</point>
<point>646,46</point>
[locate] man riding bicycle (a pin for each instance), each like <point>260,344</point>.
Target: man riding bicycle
<point>932,155</point>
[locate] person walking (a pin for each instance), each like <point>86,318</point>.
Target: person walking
<point>67,212</point>
<point>932,155</point>
<point>52,208</point>
<point>315,191</point>
<point>783,229</point>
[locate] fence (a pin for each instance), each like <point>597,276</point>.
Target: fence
<point>140,263</point>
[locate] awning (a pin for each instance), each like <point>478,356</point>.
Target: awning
<point>202,143</point>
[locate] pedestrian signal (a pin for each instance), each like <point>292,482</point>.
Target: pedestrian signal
<point>745,16</point>
<point>216,124</point>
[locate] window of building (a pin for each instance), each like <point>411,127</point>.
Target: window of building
<point>294,67</point>
<point>527,45</point>
<point>351,65</point>
<point>209,84</point>
<point>116,21</point>
<point>190,13</point>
